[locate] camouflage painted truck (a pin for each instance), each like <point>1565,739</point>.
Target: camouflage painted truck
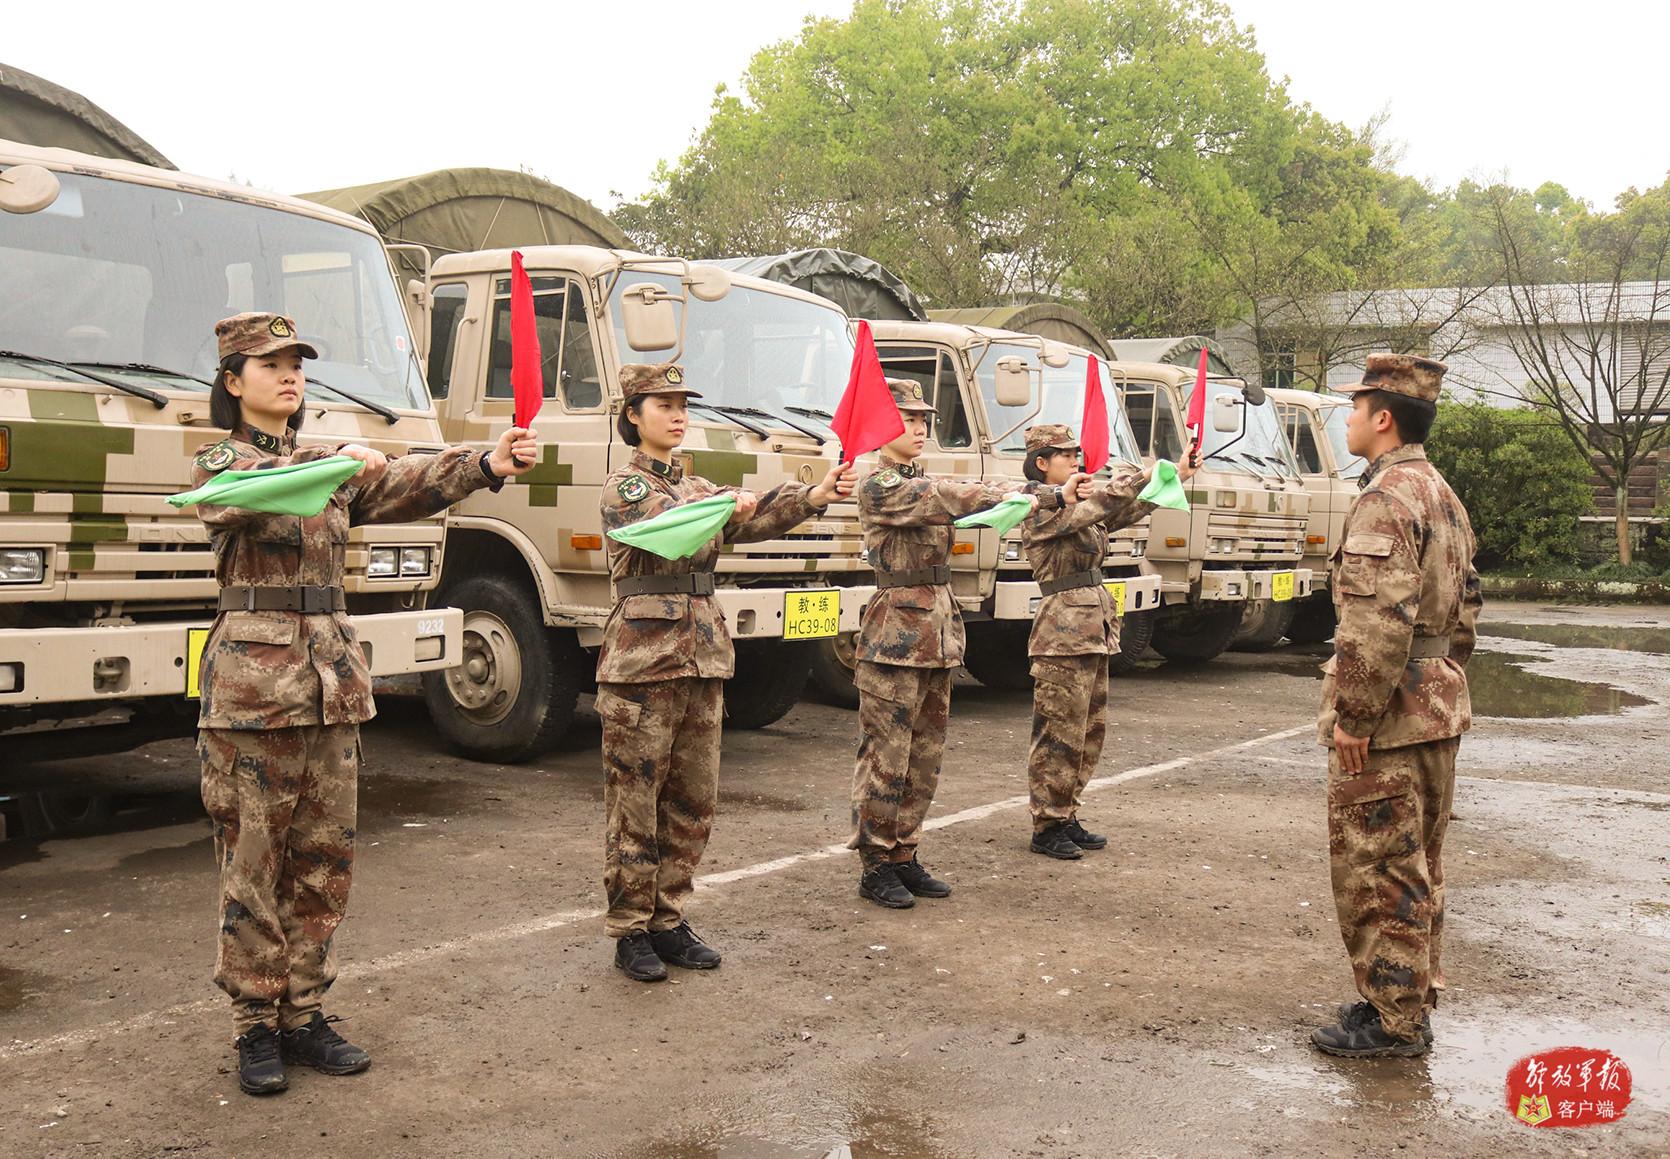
<point>1315,427</point>
<point>528,566</point>
<point>988,386</point>
<point>112,275</point>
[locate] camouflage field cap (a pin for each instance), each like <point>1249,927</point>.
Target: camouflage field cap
<point>907,396</point>
<point>653,378</point>
<point>254,333</point>
<point>1407,374</point>
<point>1050,437</point>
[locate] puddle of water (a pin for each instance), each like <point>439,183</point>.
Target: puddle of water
<point>1502,686</point>
<point>755,800</point>
<point>1608,636</point>
<point>192,856</point>
<point>872,1135</point>
<point>19,986</point>
<point>405,796</point>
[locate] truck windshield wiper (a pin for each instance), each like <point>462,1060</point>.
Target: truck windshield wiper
<point>810,412</point>
<point>148,368</point>
<point>775,417</point>
<point>739,420</point>
<point>149,396</point>
<point>375,408</point>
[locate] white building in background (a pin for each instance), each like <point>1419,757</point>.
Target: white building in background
<point>1479,333</point>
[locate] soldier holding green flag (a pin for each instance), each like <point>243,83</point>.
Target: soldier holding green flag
<point>662,668</point>
<point>286,687</point>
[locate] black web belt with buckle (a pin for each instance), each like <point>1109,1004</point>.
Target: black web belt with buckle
<point>1079,579</point>
<point>696,583</point>
<point>939,573</point>
<point>307,599</point>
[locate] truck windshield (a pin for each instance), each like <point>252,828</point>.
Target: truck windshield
<point>753,348</point>
<point>1063,402</point>
<point>1264,450</point>
<point>132,278</point>
<point>1333,425</point>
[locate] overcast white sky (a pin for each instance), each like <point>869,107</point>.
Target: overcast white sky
<point>304,95</point>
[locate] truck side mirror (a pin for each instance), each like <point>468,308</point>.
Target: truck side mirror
<point>1253,393</point>
<point>1014,381</point>
<point>27,188</point>
<point>1226,416</point>
<point>708,283</point>
<point>651,321</point>
<point>1055,355</point>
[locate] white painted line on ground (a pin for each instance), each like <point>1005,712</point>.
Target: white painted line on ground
<point>154,1019</point>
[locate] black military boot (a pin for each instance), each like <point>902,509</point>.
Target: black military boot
<point>880,883</point>
<point>260,1071</point>
<point>1083,837</point>
<point>680,946</point>
<point>919,881</point>
<point>319,1046</point>
<point>1054,842</point>
<point>1358,1013</point>
<point>1362,1036</point>
<point>635,954</point>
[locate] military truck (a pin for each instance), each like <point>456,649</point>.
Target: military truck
<point>112,275</point>
<point>528,566</point>
<point>1315,427</point>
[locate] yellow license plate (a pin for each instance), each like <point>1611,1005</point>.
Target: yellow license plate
<point>195,639</point>
<point>811,615</point>
<point>1281,586</point>
<point>1116,588</point>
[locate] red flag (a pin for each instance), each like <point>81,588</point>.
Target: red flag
<point>1093,431</point>
<point>1197,402</point>
<point>867,418</point>
<point>527,375</point>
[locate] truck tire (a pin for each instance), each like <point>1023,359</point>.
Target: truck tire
<point>770,676</point>
<point>1198,635</point>
<point>832,668</point>
<point>1264,625</point>
<point>512,695</point>
<point>1136,633</point>
<point>1313,620</point>
<point>996,653</point>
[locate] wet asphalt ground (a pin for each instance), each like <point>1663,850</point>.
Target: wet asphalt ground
<point>1154,999</point>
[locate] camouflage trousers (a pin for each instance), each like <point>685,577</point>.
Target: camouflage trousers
<point>1385,841</point>
<point>1069,723</point>
<point>661,784</point>
<point>902,715</point>
<point>283,803</point>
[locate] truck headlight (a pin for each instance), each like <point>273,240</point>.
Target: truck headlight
<point>1139,547</point>
<point>1011,551</point>
<point>1223,546</point>
<point>22,565</point>
<point>414,561</point>
<point>385,561</point>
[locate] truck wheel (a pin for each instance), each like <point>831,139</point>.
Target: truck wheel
<point>1136,632</point>
<point>512,694</point>
<point>1264,625</point>
<point>833,662</point>
<point>996,654</point>
<point>1313,620</point>
<point>1197,635</point>
<point>770,676</point>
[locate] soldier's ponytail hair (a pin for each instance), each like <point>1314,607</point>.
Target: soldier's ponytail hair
<point>1412,416</point>
<point>224,409</point>
<point>625,427</point>
<point>1032,470</point>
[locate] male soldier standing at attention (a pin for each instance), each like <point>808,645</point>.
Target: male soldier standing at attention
<point>909,643</point>
<point>1394,706</point>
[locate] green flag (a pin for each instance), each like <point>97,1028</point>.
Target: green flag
<point>299,489</point>
<point>1163,489</point>
<point>1001,518</point>
<point>681,531</point>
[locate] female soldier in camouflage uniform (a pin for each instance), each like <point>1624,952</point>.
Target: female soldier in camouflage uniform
<point>661,676</point>
<point>285,687</point>
<point>909,643</point>
<point>1074,632</point>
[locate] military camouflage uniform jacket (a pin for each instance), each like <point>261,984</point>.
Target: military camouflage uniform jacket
<point>907,519</point>
<point>661,637</point>
<point>1402,579</point>
<point>1080,621</point>
<point>274,669</point>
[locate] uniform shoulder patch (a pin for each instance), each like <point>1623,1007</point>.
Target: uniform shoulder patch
<point>888,477</point>
<point>218,457</point>
<point>633,488</point>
